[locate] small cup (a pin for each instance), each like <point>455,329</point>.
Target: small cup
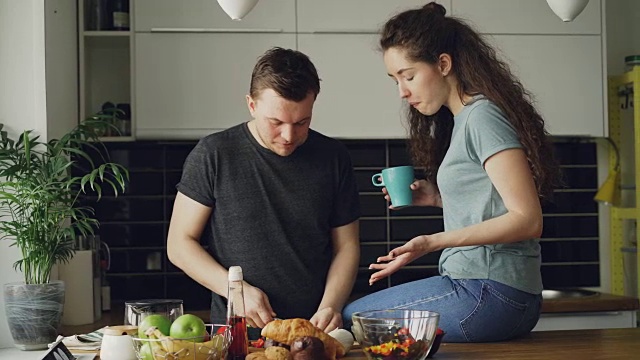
<point>117,343</point>
<point>397,180</point>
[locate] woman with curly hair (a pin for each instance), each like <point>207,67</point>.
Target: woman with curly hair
<point>488,163</point>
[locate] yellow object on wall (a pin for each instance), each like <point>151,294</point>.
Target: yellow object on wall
<point>609,192</point>
<point>611,188</point>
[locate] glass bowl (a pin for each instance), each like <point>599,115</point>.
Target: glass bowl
<point>215,347</point>
<point>395,334</point>
<point>436,344</point>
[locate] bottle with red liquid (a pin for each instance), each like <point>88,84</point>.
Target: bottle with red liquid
<point>236,317</point>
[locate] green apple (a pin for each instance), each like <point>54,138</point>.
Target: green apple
<point>189,327</point>
<point>160,321</point>
<point>145,353</point>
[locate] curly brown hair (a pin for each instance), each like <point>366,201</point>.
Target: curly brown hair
<point>424,34</point>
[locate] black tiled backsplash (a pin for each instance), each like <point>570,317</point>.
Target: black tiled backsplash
<point>403,230</point>
<point>573,274</point>
<point>567,251</point>
<point>135,224</point>
<point>133,235</point>
<point>567,226</point>
<point>373,230</point>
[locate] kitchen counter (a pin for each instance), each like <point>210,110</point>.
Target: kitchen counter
<point>596,303</point>
<point>591,303</point>
<point>594,311</point>
<point>609,344</point>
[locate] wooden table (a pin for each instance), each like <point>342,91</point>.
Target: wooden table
<point>609,344</point>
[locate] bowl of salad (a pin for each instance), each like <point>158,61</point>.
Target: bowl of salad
<point>395,334</point>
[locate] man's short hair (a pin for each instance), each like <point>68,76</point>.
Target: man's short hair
<point>288,72</point>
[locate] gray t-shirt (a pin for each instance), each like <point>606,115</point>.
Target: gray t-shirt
<point>273,215</point>
<point>468,197</point>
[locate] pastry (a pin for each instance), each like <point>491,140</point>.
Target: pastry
<point>307,348</point>
<point>286,331</point>
<point>277,353</point>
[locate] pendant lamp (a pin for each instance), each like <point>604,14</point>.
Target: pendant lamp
<point>237,9</point>
<point>567,10</point>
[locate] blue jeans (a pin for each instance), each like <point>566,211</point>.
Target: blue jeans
<point>470,310</point>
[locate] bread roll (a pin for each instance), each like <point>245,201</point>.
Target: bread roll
<point>256,355</point>
<point>307,348</point>
<point>286,331</point>
<point>277,353</point>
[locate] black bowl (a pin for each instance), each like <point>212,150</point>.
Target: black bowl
<point>436,345</point>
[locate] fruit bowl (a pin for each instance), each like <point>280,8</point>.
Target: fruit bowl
<point>161,347</point>
<point>395,334</point>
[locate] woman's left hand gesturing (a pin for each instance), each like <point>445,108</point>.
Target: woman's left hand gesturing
<point>401,256</point>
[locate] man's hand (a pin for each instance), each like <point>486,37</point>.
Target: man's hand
<point>327,319</point>
<point>257,306</point>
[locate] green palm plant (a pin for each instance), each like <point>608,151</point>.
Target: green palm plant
<point>40,186</point>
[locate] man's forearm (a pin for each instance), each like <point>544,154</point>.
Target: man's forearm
<point>195,261</point>
<point>341,276</point>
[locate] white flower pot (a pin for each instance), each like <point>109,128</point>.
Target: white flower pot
<point>34,313</point>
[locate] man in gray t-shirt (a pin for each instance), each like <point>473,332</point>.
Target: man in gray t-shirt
<point>274,197</point>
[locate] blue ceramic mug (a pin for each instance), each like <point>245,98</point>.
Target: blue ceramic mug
<point>397,180</point>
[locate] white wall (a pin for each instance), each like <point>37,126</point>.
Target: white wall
<point>623,32</point>
<point>61,48</point>
<point>22,98</point>
<point>38,90</point>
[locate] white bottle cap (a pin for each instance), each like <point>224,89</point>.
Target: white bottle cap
<point>235,273</point>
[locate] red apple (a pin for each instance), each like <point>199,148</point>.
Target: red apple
<point>160,321</point>
<point>189,327</point>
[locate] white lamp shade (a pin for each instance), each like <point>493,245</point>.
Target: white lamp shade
<point>567,10</point>
<point>237,9</point>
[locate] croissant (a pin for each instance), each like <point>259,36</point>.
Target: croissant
<point>285,331</point>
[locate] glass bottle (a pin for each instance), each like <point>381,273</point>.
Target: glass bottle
<point>236,317</point>
<point>120,14</point>
<point>96,15</point>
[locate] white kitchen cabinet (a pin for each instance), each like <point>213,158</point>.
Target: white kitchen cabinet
<point>357,99</point>
<point>206,15</point>
<point>189,85</point>
<point>359,16</point>
<point>525,17</point>
<point>564,74</point>
<point>186,86</point>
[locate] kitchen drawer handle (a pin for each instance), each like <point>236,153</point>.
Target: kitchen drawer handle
<point>213,30</point>
<point>342,31</point>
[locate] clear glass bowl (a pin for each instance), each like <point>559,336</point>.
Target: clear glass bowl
<point>395,334</point>
<point>168,348</point>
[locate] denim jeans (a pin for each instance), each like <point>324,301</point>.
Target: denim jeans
<point>470,310</point>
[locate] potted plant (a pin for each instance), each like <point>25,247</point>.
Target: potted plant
<point>40,213</point>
